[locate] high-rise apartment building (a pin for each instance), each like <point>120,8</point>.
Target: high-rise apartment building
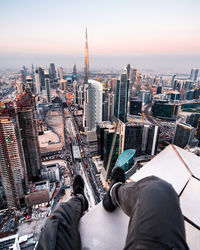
<point>113,84</point>
<point>37,82</point>
<point>47,85</point>
<point>52,71</point>
<point>128,70</point>
<point>133,75</point>
<point>41,74</point>
<point>28,128</point>
<point>61,72</point>
<point>19,85</point>
<point>29,83</point>
<point>12,161</point>
<point>107,105</point>
<point>121,97</point>
<point>145,96</point>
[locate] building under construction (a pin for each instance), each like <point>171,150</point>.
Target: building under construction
<point>28,128</point>
<point>12,160</point>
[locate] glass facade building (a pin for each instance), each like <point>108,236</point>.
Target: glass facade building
<point>184,135</point>
<point>135,106</point>
<point>108,140</point>
<point>165,110</point>
<point>194,121</point>
<point>121,97</point>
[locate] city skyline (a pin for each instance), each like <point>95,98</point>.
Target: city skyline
<point>127,29</point>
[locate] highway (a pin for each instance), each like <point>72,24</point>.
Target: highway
<point>87,164</point>
<point>81,166</point>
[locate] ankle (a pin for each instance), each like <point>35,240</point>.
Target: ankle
<point>114,193</point>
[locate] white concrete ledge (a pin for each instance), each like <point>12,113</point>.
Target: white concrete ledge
<point>101,230</point>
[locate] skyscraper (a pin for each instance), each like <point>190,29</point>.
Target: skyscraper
<point>133,75</point>
<point>86,69</point>
<point>141,136</point>
<point>95,90</point>
<point>145,96</point>
<point>194,74</point>
<point>74,73</point>
<point>41,74</point>
<point>19,85</point>
<point>52,71</point>
<point>28,128</point>
<point>85,84</point>
<point>101,127</point>
<point>29,83</point>
<point>113,146</point>
<point>128,69</point>
<point>121,97</point>
<point>184,135</point>
<point>47,85</point>
<point>37,82</point>
<point>61,73</point>
<point>12,162</point>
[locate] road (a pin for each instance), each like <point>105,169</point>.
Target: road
<point>87,163</point>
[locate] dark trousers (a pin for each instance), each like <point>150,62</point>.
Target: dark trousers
<point>156,221</point>
<point>61,230</point>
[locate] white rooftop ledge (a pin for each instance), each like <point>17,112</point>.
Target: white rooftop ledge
<point>101,230</point>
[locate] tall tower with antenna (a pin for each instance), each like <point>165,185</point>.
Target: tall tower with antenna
<point>85,83</point>
<point>86,59</point>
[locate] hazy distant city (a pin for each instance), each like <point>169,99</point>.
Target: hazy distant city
<point>92,108</point>
<point>157,64</point>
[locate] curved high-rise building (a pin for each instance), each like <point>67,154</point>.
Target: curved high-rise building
<point>95,90</point>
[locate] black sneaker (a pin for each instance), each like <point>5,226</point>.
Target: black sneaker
<point>117,175</point>
<point>78,189</point>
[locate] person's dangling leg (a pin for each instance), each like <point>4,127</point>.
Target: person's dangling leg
<point>61,230</point>
<point>156,221</point>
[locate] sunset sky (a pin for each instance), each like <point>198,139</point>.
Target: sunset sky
<point>115,27</point>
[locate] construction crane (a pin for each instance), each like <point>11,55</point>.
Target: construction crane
<point>144,115</point>
<point>174,109</point>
